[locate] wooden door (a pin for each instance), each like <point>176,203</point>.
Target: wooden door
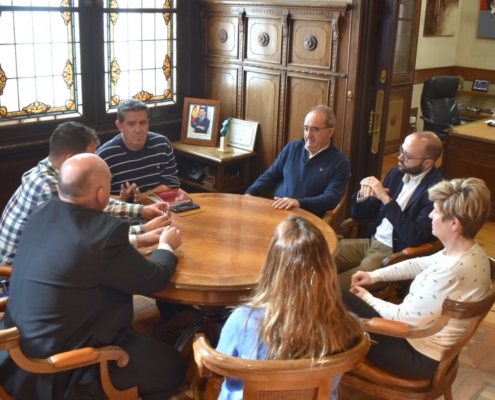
<point>372,98</point>
<point>398,126</point>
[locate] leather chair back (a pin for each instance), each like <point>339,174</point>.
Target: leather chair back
<point>439,104</point>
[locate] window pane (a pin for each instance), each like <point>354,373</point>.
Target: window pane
<point>40,3</point>
<point>406,9</point>
<point>139,52</point>
<point>402,47</point>
<point>38,63</point>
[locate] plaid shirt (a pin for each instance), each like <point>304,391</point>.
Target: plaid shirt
<point>39,185</point>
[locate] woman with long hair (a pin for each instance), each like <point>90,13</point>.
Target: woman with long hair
<point>461,271</point>
<point>296,312</point>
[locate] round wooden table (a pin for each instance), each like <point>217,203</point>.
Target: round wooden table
<point>224,247</point>
<point>223,250</point>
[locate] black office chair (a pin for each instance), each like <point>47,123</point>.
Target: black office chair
<point>439,105</point>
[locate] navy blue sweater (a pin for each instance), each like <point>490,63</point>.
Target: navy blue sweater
<point>317,183</point>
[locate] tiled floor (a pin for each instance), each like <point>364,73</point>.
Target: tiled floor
<point>476,376</point>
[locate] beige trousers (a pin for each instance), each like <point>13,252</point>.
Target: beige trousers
<point>359,255</point>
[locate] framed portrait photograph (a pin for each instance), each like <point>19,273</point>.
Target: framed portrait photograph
<point>242,134</point>
<point>480,85</point>
<point>200,122</point>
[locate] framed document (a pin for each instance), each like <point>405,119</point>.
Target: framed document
<point>242,134</point>
<point>480,85</point>
<point>200,122</point>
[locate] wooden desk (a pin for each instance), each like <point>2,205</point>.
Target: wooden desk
<point>470,152</point>
<point>223,251</point>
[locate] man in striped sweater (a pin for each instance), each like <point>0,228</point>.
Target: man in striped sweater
<point>140,161</point>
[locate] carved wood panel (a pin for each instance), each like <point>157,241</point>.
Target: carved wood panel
<point>222,36</point>
<point>221,84</point>
<point>395,112</point>
<point>311,44</point>
<point>264,40</point>
<point>262,105</point>
<point>303,93</point>
<point>397,121</point>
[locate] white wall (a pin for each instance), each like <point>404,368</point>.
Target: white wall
<point>437,51</point>
<point>473,52</point>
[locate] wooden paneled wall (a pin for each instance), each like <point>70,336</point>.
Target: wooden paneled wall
<point>270,63</point>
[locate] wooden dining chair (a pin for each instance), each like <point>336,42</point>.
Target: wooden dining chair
<point>9,341</point>
<point>275,379</point>
<point>331,214</point>
<point>377,383</point>
<point>391,290</point>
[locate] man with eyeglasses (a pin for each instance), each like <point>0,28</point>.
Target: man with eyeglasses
<point>310,173</point>
<point>399,206</point>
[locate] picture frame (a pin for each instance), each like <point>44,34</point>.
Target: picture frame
<point>486,27</point>
<point>200,119</point>
<point>480,85</point>
<point>242,134</point>
<point>441,18</point>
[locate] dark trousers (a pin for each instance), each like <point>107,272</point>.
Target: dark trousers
<point>394,355</point>
<point>169,310</point>
<point>157,369</point>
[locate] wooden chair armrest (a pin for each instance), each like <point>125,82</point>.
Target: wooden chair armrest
<point>394,258</point>
<point>70,359</point>
<point>203,371</point>
<point>5,271</point>
<point>423,249</point>
<point>349,228</point>
<point>412,252</point>
<point>347,224</point>
<point>74,358</point>
<point>387,327</point>
<point>9,338</point>
<point>3,303</point>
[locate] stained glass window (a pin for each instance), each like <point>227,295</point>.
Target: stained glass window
<point>39,69</point>
<point>140,51</point>
<point>41,64</point>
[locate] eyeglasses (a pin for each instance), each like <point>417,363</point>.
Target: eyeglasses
<point>407,158</point>
<point>313,129</point>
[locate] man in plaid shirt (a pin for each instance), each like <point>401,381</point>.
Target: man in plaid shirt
<point>41,183</point>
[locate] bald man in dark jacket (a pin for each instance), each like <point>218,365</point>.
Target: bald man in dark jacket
<point>72,285</point>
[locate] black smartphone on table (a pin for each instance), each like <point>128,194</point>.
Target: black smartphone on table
<point>184,207</point>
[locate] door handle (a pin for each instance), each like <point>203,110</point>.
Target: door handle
<point>375,123</point>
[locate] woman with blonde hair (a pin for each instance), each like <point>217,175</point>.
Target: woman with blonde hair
<point>461,271</point>
<point>296,312</point>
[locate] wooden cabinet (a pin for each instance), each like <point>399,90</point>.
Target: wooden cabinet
<point>270,62</point>
<point>470,152</point>
<point>230,171</point>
